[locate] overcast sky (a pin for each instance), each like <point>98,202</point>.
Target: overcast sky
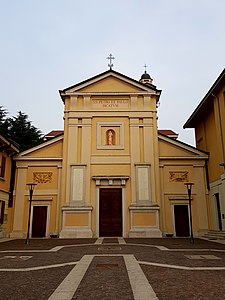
<point>47,45</point>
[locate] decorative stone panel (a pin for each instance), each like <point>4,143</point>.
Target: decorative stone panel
<point>42,177</point>
<point>178,176</point>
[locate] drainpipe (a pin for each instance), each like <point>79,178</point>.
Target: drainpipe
<point>220,132</point>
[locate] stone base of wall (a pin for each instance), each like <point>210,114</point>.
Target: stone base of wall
<point>144,220</point>
<point>75,233</point>
<point>145,233</point>
<point>17,235</point>
<point>76,222</point>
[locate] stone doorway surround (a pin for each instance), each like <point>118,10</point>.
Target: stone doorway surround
<point>107,182</point>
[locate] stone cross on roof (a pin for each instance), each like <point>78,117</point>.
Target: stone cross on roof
<point>110,58</point>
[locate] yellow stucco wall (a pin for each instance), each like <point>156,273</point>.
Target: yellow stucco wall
<point>168,149</point>
<point>110,84</point>
<point>208,135</point>
<point>52,150</point>
<point>5,182</point>
<point>4,194</point>
<point>76,219</point>
<point>179,166</point>
<point>207,140</point>
<point>144,219</point>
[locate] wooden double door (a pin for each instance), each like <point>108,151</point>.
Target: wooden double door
<point>110,212</point>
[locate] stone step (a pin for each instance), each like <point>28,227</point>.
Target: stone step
<point>215,234</point>
<point>214,230</point>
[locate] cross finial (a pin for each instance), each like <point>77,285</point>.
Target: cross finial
<point>110,58</point>
<point>145,66</point>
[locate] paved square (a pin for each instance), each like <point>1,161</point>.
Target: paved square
<point>112,269</point>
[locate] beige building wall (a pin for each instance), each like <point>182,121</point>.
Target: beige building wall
<point>41,165</point>
<point>209,122</point>
<point>7,150</point>
<point>181,164</point>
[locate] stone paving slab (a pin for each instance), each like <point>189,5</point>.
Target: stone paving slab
<point>110,240</point>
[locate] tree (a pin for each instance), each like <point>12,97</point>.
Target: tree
<point>4,122</point>
<point>20,130</point>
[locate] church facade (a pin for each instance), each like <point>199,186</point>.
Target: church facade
<point>111,172</point>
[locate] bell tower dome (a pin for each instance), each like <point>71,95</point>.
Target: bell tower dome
<point>146,78</point>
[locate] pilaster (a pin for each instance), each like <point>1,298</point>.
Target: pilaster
<point>86,154</point>
<point>200,191</point>
<point>134,153</point>
<point>18,231</point>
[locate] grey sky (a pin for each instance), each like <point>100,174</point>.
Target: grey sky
<point>47,45</point>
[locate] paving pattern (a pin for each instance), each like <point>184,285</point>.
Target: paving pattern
<point>112,268</point>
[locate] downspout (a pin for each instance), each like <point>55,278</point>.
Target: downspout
<point>12,182</point>
<point>220,131</point>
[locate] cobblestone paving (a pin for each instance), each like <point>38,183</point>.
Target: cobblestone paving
<point>174,268</point>
<point>38,284</point>
<point>185,285</point>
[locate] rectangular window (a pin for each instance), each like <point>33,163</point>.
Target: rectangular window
<point>2,169</point>
<point>2,209</point>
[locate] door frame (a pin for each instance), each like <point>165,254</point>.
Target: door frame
<point>47,221</point>
<point>173,216</point>
<point>97,206</point>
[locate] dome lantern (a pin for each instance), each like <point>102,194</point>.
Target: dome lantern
<point>146,78</point>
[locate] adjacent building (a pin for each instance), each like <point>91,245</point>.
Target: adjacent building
<point>7,150</point>
<point>208,120</point>
<point>111,172</point>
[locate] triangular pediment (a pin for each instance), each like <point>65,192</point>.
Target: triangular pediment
<point>170,148</point>
<point>111,84</point>
<point>108,82</point>
<point>46,150</point>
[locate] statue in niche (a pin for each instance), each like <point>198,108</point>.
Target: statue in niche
<point>110,137</point>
